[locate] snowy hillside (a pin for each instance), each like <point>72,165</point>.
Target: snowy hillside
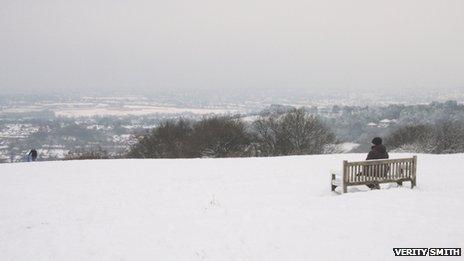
<point>222,209</point>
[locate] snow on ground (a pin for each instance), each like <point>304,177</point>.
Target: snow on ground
<point>348,146</point>
<point>53,153</point>
<point>222,209</point>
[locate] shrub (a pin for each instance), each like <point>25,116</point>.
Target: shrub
<point>93,153</point>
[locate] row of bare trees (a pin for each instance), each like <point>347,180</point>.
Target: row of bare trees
<point>438,138</point>
<point>293,133</point>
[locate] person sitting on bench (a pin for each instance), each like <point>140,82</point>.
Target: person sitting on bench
<point>378,151</point>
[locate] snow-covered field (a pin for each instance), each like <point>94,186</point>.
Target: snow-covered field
<point>223,209</point>
<point>135,111</point>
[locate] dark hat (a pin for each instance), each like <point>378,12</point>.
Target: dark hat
<point>377,141</point>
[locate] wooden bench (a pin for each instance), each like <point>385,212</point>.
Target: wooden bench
<point>374,172</point>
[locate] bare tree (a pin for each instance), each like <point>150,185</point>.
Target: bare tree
<point>294,133</point>
<point>219,137</point>
<point>449,136</point>
<point>415,138</point>
<point>265,134</point>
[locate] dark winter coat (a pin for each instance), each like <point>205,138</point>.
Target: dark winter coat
<point>377,152</point>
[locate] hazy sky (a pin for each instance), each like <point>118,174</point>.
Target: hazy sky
<point>134,45</point>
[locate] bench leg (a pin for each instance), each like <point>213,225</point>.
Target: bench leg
<point>400,183</point>
<point>332,186</point>
<point>413,183</point>
<point>345,188</point>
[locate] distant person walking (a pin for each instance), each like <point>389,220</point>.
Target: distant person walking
<point>32,156</point>
<point>378,151</point>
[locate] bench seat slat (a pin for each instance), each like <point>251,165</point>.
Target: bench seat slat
<point>379,181</point>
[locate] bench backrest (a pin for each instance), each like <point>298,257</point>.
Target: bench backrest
<point>362,172</point>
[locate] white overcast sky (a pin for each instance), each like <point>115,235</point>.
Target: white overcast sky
<point>135,45</point>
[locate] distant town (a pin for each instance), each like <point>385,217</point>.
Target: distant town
<point>61,126</point>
